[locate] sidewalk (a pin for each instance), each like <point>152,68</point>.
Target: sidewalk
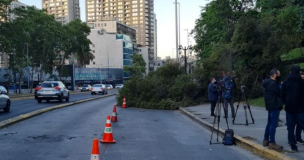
<point>252,132</point>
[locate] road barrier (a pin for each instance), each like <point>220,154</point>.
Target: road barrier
<point>95,150</point>
<point>114,115</point>
<point>108,135</point>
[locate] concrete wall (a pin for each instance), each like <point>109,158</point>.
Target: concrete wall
<point>106,47</point>
<point>144,52</point>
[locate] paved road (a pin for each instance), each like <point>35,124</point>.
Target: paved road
<point>68,134</point>
<point>25,106</point>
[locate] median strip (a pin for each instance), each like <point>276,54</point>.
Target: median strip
<point>240,141</point>
<point>23,117</point>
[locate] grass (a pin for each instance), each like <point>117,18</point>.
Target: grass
<point>259,102</point>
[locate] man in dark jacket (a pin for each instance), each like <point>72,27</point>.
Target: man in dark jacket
<point>292,96</point>
<point>228,95</point>
<point>212,95</point>
<point>273,105</point>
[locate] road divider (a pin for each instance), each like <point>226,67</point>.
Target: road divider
<point>23,117</point>
<point>240,141</point>
<point>31,96</point>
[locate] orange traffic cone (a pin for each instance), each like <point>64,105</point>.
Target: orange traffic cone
<point>107,135</point>
<point>114,115</point>
<point>95,150</point>
<point>124,104</point>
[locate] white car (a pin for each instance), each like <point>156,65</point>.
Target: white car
<point>119,86</point>
<point>99,88</point>
<point>86,87</point>
<point>109,86</point>
<point>5,102</point>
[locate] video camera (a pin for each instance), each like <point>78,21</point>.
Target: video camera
<point>243,88</point>
<point>219,85</point>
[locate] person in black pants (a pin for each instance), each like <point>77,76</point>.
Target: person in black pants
<point>292,96</point>
<point>299,129</point>
<point>212,95</point>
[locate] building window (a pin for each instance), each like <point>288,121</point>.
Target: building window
<point>93,51</point>
<point>93,63</point>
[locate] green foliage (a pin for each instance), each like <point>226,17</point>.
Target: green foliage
<point>249,40</point>
<point>167,88</point>
<point>138,67</point>
<point>258,102</point>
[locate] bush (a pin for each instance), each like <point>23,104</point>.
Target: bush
<point>167,88</point>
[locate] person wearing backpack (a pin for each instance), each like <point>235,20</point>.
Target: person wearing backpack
<point>274,105</point>
<point>228,95</point>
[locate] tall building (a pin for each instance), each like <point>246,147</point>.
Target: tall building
<point>135,13</point>
<point>112,25</point>
<point>64,11</point>
<point>155,36</point>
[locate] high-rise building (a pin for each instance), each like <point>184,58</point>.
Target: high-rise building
<point>135,13</point>
<point>64,11</point>
<point>155,36</point>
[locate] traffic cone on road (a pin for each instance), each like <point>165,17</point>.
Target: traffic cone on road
<point>114,115</point>
<point>124,103</point>
<point>95,150</point>
<point>107,135</point>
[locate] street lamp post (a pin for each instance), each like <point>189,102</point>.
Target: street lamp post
<point>176,29</point>
<point>189,48</point>
<point>28,69</point>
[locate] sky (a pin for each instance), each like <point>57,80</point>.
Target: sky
<point>165,15</point>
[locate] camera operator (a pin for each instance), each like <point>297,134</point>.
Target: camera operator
<point>212,95</point>
<point>292,96</point>
<point>228,95</point>
<point>274,105</point>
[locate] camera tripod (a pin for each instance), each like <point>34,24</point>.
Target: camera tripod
<point>246,105</point>
<point>217,117</point>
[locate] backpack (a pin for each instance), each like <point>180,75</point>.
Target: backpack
<point>229,137</point>
<point>228,90</point>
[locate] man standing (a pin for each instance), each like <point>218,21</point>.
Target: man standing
<point>212,95</point>
<point>228,95</point>
<point>292,96</point>
<point>273,105</point>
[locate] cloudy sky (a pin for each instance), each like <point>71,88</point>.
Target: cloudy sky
<point>165,12</point>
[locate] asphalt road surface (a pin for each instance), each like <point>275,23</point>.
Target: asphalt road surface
<point>140,134</point>
<point>25,106</point>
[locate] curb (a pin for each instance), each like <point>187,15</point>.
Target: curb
<point>240,141</point>
<point>23,117</point>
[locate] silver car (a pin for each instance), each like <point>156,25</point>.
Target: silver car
<point>99,88</point>
<point>86,87</point>
<point>52,90</point>
<point>5,102</point>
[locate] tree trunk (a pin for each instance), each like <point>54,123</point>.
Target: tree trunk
<point>301,50</point>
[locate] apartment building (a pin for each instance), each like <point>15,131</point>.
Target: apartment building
<point>64,11</point>
<point>112,25</point>
<point>138,14</point>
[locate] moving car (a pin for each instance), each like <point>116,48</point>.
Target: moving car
<point>52,90</point>
<point>119,86</point>
<point>86,87</point>
<point>5,102</point>
<point>99,88</point>
<point>109,86</point>
<point>36,90</point>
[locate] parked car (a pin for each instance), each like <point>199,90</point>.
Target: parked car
<point>52,90</point>
<point>36,90</point>
<point>86,87</point>
<point>109,86</point>
<point>119,86</point>
<point>99,88</point>
<point>5,102</point>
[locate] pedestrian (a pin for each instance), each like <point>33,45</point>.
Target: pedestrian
<point>274,105</point>
<point>212,95</point>
<point>292,96</point>
<point>228,95</point>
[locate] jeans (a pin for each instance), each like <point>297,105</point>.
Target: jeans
<point>299,130</point>
<point>213,104</point>
<point>230,101</point>
<point>272,124</point>
<point>292,120</point>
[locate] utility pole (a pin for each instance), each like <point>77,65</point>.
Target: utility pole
<point>28,69</point>
<point>176,28</point>
<point>108,67</point>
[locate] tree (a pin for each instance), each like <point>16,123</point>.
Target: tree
<point>138,67</point>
